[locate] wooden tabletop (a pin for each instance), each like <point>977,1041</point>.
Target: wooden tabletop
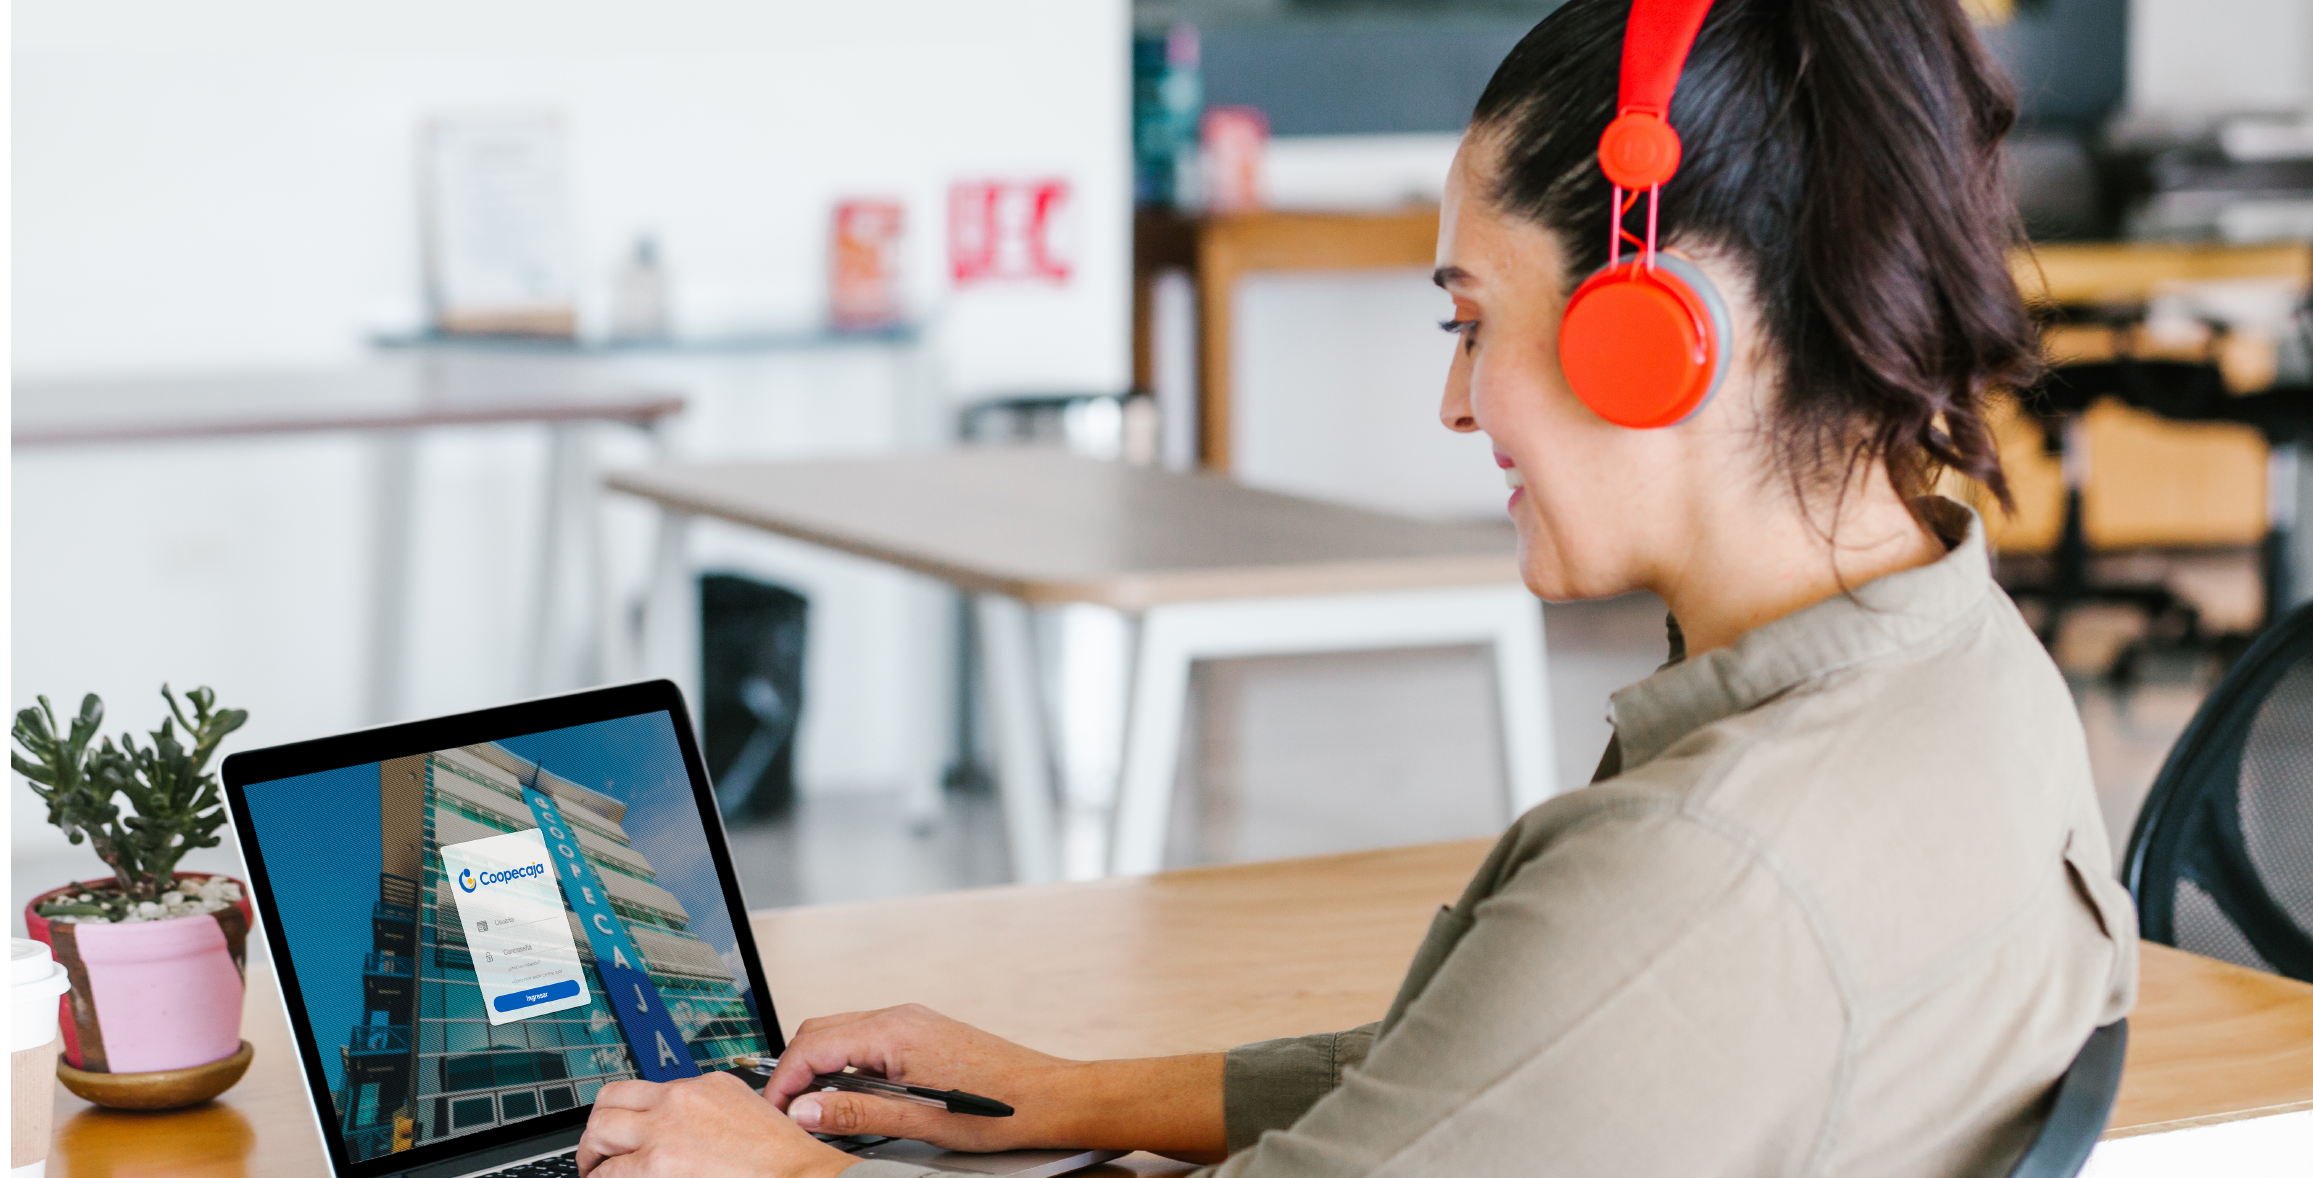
<point>376,397</point>
<point>1049,527</point>
<point>1192,961</point>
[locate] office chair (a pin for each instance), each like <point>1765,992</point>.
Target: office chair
<point>2082,1105</point>
<point>2221,860</point>
<point>2178,391</point>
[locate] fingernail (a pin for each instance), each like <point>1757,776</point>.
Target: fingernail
<point>805,1111</point>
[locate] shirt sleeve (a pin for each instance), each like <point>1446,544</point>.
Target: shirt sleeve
<point>1269,1085</point>
<point>1643,961</point>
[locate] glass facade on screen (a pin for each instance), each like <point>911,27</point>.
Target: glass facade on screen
<point>425,1063</point>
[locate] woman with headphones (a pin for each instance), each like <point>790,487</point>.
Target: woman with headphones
<point>1840,901</point>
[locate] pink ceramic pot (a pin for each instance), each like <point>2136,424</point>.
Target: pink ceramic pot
<point>153,996</point>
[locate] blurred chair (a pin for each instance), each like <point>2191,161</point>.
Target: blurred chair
<point>2182,391</point>
<point>2221,860</point>
<point>2082,1105</point>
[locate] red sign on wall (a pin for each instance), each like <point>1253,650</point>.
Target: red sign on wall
<point>869,236</point>
<point>1010,230</point>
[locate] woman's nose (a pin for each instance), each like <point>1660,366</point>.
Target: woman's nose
<point>1454,411</point>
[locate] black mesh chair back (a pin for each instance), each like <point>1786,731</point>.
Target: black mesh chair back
<point>2221,860</point>
<point>2082,1105</point>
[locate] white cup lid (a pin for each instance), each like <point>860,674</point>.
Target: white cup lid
<point>28,961</point>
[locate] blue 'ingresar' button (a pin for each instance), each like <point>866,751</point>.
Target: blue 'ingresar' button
<point>521,998</point>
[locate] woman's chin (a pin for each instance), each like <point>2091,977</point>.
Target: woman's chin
<point>1554,580</point>
<point>1545,582</point>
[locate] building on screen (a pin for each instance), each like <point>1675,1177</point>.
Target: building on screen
<point>425,1063</point>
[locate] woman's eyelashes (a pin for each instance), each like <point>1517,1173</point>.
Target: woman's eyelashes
<point>1465,328</point>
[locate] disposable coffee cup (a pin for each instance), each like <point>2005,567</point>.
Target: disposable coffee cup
<point>35,982</point>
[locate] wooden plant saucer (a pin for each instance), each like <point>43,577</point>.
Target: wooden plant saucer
<point>157,1090</point>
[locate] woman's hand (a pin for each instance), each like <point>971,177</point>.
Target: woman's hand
<point>1170,1106</point>
<point>707,1127</point>
<point>913,1045</point>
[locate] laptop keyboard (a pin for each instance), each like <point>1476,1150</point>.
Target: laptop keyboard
<point>565,1164</point>
<point>561,1165</point>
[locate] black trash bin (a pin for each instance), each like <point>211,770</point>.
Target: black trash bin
<point>751,648</point>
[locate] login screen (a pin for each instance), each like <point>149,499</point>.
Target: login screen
<point>525,958</point>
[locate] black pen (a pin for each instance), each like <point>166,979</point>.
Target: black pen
<point>951,1099</point>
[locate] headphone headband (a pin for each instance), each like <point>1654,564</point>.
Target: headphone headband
<point>1644,342</point>
<point>1639,149</point>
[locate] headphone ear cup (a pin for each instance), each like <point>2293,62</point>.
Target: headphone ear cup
<point>1645,347</point>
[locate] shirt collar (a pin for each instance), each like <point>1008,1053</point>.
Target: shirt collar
<point>1899,612</point>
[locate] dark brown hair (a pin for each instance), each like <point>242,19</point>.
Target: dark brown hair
<point>1845,154</point>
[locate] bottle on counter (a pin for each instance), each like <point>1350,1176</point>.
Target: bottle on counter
<point>638,309</point>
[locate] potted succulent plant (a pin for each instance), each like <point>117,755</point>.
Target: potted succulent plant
<point>156,957</point>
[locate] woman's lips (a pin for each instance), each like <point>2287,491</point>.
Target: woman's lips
<point>1503,460</point>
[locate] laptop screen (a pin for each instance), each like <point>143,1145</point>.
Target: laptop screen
<point>483,934</point>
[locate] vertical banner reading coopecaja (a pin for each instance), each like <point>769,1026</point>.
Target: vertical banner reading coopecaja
<point>659,1051</point>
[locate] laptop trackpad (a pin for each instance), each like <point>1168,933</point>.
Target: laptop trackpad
<point>1019,1163</point>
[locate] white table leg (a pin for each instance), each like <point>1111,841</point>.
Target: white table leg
<point>671,613</point>
<point>1504,617</point>
<point>925,703</point>
<point>1152,736</point>
<point>393,535</point>
<point>562,443</point>
<point>1017,721</point>
<point>599,653</point>
<point>617,640</point>
<point>1522,692</point>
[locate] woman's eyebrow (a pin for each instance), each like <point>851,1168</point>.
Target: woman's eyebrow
<point>1447,276</point>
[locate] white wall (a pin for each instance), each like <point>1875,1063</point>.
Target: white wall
<point>1336,376</point>
<point>231,187</point>
<point>2195,55</point>
<point>1335,389</point>
<point>233,184</point>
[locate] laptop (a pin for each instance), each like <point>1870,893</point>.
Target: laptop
<point>478,921</point>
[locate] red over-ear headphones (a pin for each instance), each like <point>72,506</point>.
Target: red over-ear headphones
<point>1644,340</point>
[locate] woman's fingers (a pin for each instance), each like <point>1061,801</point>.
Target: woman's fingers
<point>609,1133</point>
<point>630,1094</point>
<point>847,1113</point>
<point>869,1043</point>
<point>828,1022</point>
<point>612,1131</point>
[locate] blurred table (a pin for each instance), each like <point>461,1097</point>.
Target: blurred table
<point>1218,250</point>
<point>390,404</point>
<point>1192,961</point>
<point>1205,567</point>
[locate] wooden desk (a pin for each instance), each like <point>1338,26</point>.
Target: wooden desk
<point>1193,961</point>
<point>1050,528</point>
<point>388,403</point>
<point>1205,568</point>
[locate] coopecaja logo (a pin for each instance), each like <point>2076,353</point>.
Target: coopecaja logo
<point>469,881</point>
